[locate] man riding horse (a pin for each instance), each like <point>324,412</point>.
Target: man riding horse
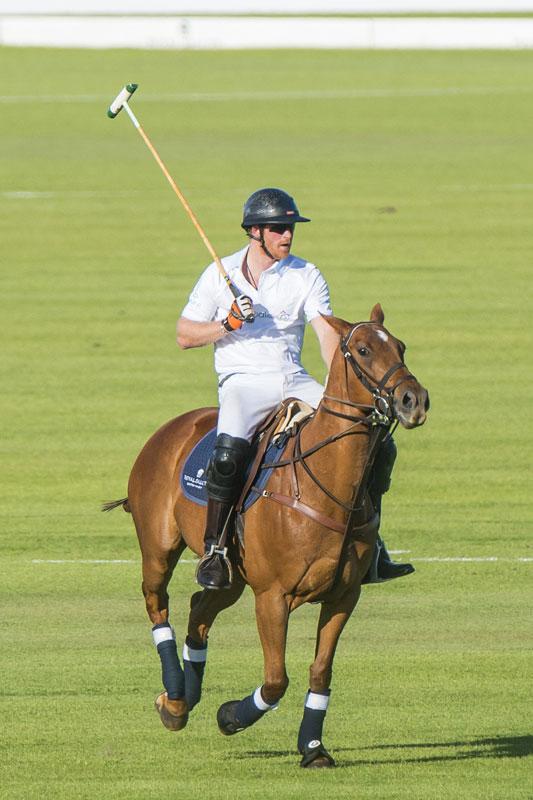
<point>259,364</point>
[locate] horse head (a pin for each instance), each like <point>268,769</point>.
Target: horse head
<point>369,371</point>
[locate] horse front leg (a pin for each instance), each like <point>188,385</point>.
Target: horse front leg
<point>333,618</point>
<point>205,607</point>
<point>272,614</point>
<point>157,571</point>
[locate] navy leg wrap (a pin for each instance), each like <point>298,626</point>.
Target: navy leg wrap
<point>248,711</point>
<point>171,671</point>
<point>194,657</point>
<point>313,719</point>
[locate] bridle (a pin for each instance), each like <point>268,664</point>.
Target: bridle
<point>376,422</point>
<point>381,412</point>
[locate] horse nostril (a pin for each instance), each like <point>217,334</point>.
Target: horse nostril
<point>409,400</point>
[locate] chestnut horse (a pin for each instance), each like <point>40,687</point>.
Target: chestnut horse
<point>309,537</point>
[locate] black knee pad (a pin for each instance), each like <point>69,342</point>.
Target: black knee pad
<point>226,470</point>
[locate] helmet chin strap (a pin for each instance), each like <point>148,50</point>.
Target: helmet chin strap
<point>261,240</point>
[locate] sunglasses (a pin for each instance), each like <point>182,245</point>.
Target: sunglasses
<point>281,227</point>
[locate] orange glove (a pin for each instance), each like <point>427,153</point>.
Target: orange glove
<point>241,311</point>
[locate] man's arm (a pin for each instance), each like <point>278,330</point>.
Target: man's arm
<point>327,338</point>
<point>197,334</point>
<point>190,333</point>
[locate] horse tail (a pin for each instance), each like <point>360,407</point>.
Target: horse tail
<point>115,504</point>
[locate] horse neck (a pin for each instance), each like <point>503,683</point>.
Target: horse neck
<point>341,464</point>
<point>344,385</point>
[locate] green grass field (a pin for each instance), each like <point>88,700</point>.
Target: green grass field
<point>417,170</point>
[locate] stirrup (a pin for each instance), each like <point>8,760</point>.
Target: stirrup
<point>217,559</point>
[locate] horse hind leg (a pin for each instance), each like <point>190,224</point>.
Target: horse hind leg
<point>158,566</point>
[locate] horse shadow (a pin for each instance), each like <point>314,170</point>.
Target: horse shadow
<point>491,747</point>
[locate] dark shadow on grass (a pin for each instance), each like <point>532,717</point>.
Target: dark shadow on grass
<point>493,747</point>
<point>264,754</point>
<point>501,746</point>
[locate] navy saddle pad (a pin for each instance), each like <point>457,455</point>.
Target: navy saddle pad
<point>193,477</point>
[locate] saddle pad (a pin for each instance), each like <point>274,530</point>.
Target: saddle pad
<point>193,478</point>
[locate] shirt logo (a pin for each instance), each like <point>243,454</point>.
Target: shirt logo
<point>283,316</point>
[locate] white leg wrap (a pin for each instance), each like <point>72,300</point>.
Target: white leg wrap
<point>260,703</point>
<point>163,634</point>
<point>317,701</point>
<point>196,656</point>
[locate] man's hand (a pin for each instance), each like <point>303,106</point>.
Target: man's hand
<point>242,310</point>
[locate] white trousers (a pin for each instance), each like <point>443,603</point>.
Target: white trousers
<point>245,400</point>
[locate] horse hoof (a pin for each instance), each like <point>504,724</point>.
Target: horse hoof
<point>315,755</point>
<point>227,721</point>
<point>170,719</point>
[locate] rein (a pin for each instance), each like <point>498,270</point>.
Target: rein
<point>377,419</point>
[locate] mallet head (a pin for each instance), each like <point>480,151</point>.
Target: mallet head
<point>121,98</point>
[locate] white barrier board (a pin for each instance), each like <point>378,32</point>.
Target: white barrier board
<point>226,33</point>
<point>180,7</point>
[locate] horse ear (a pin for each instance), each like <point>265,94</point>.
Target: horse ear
<point>377,315</point>
<point>339,325</point>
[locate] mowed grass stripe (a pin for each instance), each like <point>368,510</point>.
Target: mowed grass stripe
<point>285,94</point>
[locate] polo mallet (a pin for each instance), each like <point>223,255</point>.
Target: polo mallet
<point>120,102</point>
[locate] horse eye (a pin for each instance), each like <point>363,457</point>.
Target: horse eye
<point>362,351</point>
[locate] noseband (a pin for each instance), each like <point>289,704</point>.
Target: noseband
<point>382,411</point>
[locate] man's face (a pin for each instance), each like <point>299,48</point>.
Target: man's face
<point>278,239</point>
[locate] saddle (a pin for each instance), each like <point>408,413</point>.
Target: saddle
<point>277,429</point>
<point>291,414</point>
<point>268,446</point>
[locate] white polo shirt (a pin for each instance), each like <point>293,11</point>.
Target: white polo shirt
<point>290,293</point>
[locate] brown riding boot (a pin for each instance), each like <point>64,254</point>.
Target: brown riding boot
<point>214,570</point>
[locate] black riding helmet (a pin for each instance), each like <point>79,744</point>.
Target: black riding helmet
<point>270,207</point>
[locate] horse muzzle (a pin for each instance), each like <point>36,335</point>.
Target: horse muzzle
<point>411,404</point>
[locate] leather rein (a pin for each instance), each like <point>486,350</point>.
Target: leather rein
<point>376,422</point>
